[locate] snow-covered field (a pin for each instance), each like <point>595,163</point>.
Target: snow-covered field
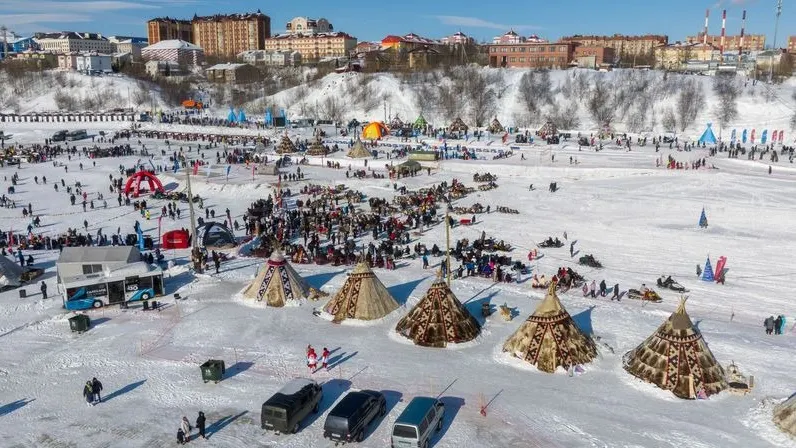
<point>638,220</point>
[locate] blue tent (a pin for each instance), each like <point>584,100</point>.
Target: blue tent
<point>743,136</point>
<point>232,117</point>
<point>241,116</point>
<point>703,219</point>
<point>707,274</point>
<point>707,136</point>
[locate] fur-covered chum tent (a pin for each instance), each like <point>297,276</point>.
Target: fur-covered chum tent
<point>550,339</point>
<point>677,358</point>
<point>277,283</point>
<point>439,319</point>
<point>363,296</point>
<point>358,151</point>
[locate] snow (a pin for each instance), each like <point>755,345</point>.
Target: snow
<point>639,221</point>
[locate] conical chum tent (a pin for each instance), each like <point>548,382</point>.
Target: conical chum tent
<point>677,358</point>
<point>363,296</point>
<point>277,283</point>
<point>316,147</point>
<point>439,319</point>
<point>420,123</point>
<point>375,131</point>
<point>286,146</point>
<point>458,125</point>
<point>785,416</point>
<point>707,273</point>
<point>703,219</point>
<point>358,151</point>
<point>550,339</point>
<point>707,136</point>
<point>495,127</point>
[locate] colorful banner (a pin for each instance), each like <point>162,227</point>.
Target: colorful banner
<point>743,137</point>
<point>764,137</point>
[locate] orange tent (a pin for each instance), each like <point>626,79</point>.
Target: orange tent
<point>191,104</point>
<point>375,131</point>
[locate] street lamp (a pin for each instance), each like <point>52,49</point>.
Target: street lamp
<point>448,243</point>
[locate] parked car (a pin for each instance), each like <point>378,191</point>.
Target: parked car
<point>350,418</point>
<point>284,411</point>
<point>417,423</point>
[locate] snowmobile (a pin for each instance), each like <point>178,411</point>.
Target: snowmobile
<point>670,283</point>
<point>650,295</point>
<point>550,242</point>
<point>588,260</point>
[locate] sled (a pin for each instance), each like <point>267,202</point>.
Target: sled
<point>505,312</point>
<point>546,244</point>
<point>588,260</point>
<point>669,283</point>
<point>739,383</point>
<point>651,296</point>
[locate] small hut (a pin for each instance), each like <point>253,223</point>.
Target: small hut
<point>550,339</point>
<point>396,123</point>
<point>358,151</point>
<point>439,319</point>
<point>495,127</point>
<point>677,358</point>
<point>286,146</point>
<point>458,125</point>
<point>420,123</point>
<point>362,297</point>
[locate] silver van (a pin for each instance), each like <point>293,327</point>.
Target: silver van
<point>416,425</point>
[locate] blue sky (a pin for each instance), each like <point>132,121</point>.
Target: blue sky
<point>374,20</point>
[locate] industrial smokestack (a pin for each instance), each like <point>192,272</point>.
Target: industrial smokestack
<point>740,41</point>
<point>705,36</point>
<point>723,27</point>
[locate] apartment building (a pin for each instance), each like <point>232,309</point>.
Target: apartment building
<point>166,28</point>
<point>594,57</point>
<point>751,42</point>
<point>68,41</point>
<point>305,25</point>
<point>271,58</point>
<point>313,47</point>
<point>512,50</point>
<point>229,35</point>
<point>177,51</point>
<point>623,46</point>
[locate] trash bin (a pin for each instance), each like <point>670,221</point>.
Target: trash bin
<point>79,323</point>
<point>22,293</point>
<point>213,370</point>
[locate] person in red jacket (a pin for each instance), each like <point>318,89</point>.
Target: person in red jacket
<point>325,358</point>
<point>312,360</point>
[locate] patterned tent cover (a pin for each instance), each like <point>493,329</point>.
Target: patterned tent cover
<point>439,319</point>
<point>785,416</point>
<point>363,296</point>
<point>550,339</point>
<point>458,125</point>
<point>420,122</point>
<point>286,146</point>
<point>549,128</point>
<point>277,283</point>
<point>358,151</point>
<point>677,358</point>
<point>316,147</point>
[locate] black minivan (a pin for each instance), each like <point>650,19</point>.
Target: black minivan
<point>285,410</point>
<point>349,419</point>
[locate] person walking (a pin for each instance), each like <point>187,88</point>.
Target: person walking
<point>572,249</point>
<point>778,325</point>
<point>616,293</point>
<point>180,436</point>
<point>603,288</point>
<point>96,388</point>
<point>88,394</point>
<point>325,358</point>
<point>200,424</point>
<point>43,288</point>
<point>769,324</point>
<point>185,425</point>
<point>593,289</point>
<point>312,360</point>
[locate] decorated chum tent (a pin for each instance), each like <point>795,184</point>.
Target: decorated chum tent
<point>495,127</point>
<point>286,146</point>
<point>550,339</point>
<point>439,319</point>
<point>277,283</point>
<point>458,126</point>
<point>358,151</point>
<point>363,296</point>
<point>676,358</point>
<point>316,147</point>
<point>785,415</point>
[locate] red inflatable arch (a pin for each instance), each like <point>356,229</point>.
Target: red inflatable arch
<point>133,185</point>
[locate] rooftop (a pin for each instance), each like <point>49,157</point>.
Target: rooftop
<point>173,44</point>
<point>226,66</point>
<point>71,35</point>
<point>99,254</point>
<point>313,35</point>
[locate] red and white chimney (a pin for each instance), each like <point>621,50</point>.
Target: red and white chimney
<point>723,28</point>
<point>740,41</point>
<point>705,34</point>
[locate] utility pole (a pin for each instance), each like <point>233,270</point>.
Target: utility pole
<point>448,244</point>
<point>776,29</point>
<point>197,262</point>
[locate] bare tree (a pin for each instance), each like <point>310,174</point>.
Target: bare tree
<point>599,103</point>
<point>481,97</point>
<point>727,89</point>
<point>450,102</point>
<point>535,91</point>
<point>669,120</point>
<point>566,117</point>
<point>333,109</point>
<point>689,102</point>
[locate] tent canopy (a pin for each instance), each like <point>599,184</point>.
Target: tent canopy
<point>707,136</point>
<point>420,122</point>
<point>785,415</point>
<point>358,151</point>
<point>458,125</point>
<point>133,185</point>
<point>363,297</point>
<point>375,131</point>
<point>216,235</point>
<point>277,283</point>
<point>286,146</point>
<point>175,239</point>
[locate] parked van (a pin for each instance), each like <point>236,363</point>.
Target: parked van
<point>349,420</point>
<point>285,410</point>
<point>421,419</point>
<point>59,136</point>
